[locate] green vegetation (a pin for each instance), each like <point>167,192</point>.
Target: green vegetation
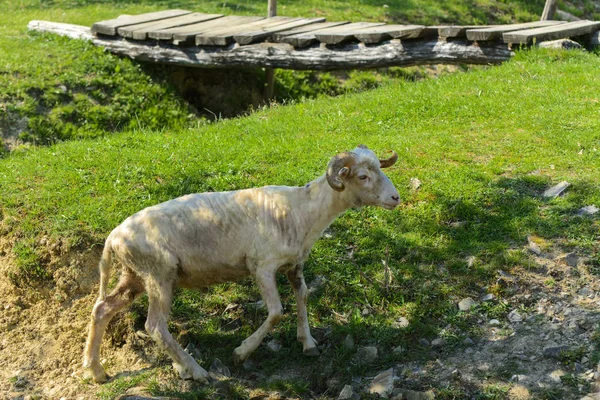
<point>484,143</point>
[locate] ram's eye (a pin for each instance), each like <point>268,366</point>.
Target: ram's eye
<point>362,177</point>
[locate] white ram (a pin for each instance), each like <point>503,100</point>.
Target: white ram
<point>203,239</point>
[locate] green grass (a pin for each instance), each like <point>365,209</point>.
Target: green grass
<point>485,144</point>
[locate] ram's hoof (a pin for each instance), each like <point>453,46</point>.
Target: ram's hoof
<point>311,352</point>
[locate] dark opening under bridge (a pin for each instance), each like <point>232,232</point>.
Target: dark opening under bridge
<point>217,41</point>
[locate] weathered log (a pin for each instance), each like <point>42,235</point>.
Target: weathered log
<point>281,55</point>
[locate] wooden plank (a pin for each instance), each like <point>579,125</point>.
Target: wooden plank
<point>224,36</point>
<point>343,33</point>
<point>187,33</point>
<point>496,32</point>
<point>140,31</point>
<point>455,31</point>
<point>282,55</point>
<point>304,36</point>
<point>562,31</point>
<point>260,34</point>
<point>378,34</point>
<point>110,26</point>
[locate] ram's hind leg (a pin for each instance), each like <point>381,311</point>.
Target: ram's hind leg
<point>160,296</point>
<point>128,288</point>
<point>296,278</point>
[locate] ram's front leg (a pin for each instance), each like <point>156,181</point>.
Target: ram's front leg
<point>296,278</point>
<point>265,279</point>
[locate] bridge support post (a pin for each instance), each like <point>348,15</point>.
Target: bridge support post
<point>270,72</point>
<point>549,10</point>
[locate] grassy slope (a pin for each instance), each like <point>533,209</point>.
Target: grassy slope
<point>59,89</point>
<point>484,144</point>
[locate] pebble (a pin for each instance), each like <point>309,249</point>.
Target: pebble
<point>348,342</point>
<point>438,342</point>
<point>402,322</point>
<point>274,345</point>
<point>383,384</point>
<point>587,211</point>
<point>556,190</point>
<point>533,246</point>
<point>424,342</point>
<point>415,183</point>
<point>494,322</point>
<point>348,394</point>
<point>218,370</point>
<point>366,355</point>
<point>466,304</point>
<point>514,316</point>
<point>488,297</point>
<point>572,260</point>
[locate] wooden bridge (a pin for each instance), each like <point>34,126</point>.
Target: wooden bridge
<point>214,40</point>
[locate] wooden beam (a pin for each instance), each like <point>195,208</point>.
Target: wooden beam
<point>549,10</point>
<point>455,31</point>
<point>281,55</point>
<point>562,31</point>
<point>263,33</point>
<point>140,31</point>
<point>496,32</point>
<point>110,26</point>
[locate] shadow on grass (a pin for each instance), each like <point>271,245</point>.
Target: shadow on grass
<point>438,252</point>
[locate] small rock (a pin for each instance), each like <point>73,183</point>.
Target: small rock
<point>218,370</point>
<point>567,44</point>
<point>399,350</point>
<point>494,322</point>
<point>572,260</point>
<point>505,275</point>
<point>424,342</point>
<point>402,322</point>
<point>468,341</point>
<point>514,316</point>
<point>556,190</point>
<point>248,365</point>
<point>458,224</point>
<point>142,335</point>
<point>585,292</point>
<point>274,345</point>
<point>415,183</point>
<point>554,351</point>
<point>519,392</point>
<point>488,297</point>
<point>406,394</point>
<point>365,312</point>
<point>348,394</point>
<point>533,247</point>
<point>556,374</point>
<point>466,304</point>
<point>366,355</point>
<point>383,384</point>
<point>470,261</point>
<point>193,351</point>
<point>348,342</point>
<point>438,342</point>
<point>587,211</point>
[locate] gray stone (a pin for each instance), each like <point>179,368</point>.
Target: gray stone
<point>466,304</point>
<point>533,247</point>
<point>567,44</point>
<point>274,345</point>
<point>399,350</point>
<point>438,342</point>
<point>406,394</point>
<point>514,316</point>
<point>572,260</point>
<point>383,384</point>
<point>415,183</point>
<point>424,342</point>
<point>494,322</point>
<point>348,394</point>
<point>556,190</point>
<point>366,355</point>
<point>218,370</point>
<point>402,322</point>
<point>468,341</point>
<point>587,211</point>
<point>555,351</point>
<point>488,297</point>
<point>348,342</point>
<point>193,351</point>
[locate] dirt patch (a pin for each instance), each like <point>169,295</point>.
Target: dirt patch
<point>545,347</point>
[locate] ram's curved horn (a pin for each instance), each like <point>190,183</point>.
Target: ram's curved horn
<point>389,161</point>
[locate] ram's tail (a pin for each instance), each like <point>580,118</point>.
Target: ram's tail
<point>104,266</point>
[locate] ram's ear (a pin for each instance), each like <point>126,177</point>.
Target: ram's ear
<point>339,169</point>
